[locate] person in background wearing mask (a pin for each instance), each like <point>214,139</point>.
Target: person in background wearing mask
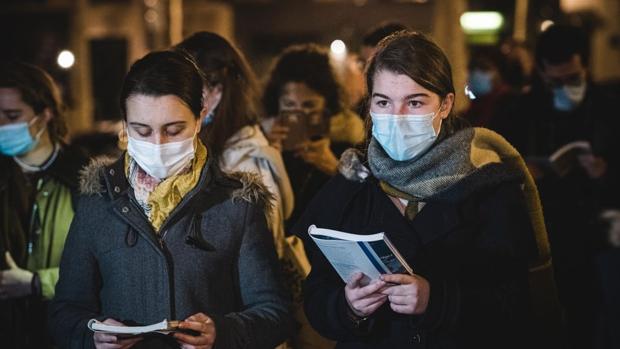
<point>458,204</point>
<point>564,107</point>
<point>234,137</point>
<point>302,84</point>
<point>231,126</point>
<point>38,192</point>
<point>491,97</point>
<point>161,233</point>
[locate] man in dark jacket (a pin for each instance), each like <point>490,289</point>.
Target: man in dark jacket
<point>566,107</point>
<point>38,183</point>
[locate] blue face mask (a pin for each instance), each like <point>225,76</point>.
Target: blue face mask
<point>567,97</point>
<point>480,82</point>
<point>208,119</point>
<point>15,139</point>
<point>404,137</point>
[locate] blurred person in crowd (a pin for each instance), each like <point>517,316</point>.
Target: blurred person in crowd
<point>519,64</point>
<point>38,194</point>
<point>568,108</point>
<point>608,269</point>
<point>492,97</point>
<point>457,202</point>
<point>231,129</point>
<point>350,71</point>
<point>372,38</point>
<point>162,233</point>
<point>231,125</point>
<point>302,88</point>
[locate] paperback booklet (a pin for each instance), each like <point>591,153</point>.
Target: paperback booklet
<point>565,159</point>
<point>164,327</point>
<point>348,253</point>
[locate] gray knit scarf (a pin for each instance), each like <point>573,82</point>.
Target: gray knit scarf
<point>453,168</point>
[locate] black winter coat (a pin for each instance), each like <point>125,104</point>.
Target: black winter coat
<point>472,252</point>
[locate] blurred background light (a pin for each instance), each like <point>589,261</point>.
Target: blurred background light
<point>481,21</point>
<point>338,48</point>
<point>545,25</point>
<point>65,59</point>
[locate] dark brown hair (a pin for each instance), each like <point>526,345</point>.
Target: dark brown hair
<point>415,55</point>
<point>163,73</point>
<point>39,91</point>
<point>224,64</point>
<point>308,64</point>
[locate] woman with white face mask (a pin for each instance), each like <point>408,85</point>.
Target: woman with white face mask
<point>458,204</point>
<point>161,233</point>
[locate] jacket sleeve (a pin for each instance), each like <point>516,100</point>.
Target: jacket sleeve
<point>325,303</point>
<point>48,278</point>
<point>77,291</point>
<point>265,320</point>
<point>488,301</point>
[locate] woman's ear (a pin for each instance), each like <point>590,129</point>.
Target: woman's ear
<point>446,106</point>
<point>47,115</point>
<point>122,136</point>
<point>205,97</point>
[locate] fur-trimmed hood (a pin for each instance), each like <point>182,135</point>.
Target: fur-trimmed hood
<point>91,181</point>
<point>246,186</point>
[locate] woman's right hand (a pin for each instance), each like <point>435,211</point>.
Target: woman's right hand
<point>277,134</point>
<point>364,300</point>
<point>110,341</point>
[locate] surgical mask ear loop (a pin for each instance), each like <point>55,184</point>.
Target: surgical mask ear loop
<point>37,136</point>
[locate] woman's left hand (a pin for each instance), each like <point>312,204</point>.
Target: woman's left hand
<point>202,324</point>
<point>319,154</point>
<point>409,296</point>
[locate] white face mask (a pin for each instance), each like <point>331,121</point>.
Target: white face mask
<point>404,137</point>
<point>161,160</point>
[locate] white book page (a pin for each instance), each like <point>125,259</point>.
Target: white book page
<point>314,230</point>
<point>97,326</point>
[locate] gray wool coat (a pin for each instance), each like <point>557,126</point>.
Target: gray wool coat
<point>214,255</point>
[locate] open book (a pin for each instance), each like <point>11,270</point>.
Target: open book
<point>565,159</point>
<point>163,327</point>
<point>372,255</point>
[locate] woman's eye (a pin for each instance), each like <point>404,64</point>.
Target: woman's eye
<point>13,115</point>
<point>382,104</point>
<point>173,132</point>
<point>415,104</point>
<point>143,132</point>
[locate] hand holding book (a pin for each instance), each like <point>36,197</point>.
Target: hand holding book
<point>374,272</point>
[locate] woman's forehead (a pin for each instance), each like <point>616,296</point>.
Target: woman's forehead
<point>157,110</point>
<point>397,85</point>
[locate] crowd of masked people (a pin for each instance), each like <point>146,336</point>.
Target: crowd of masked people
<point>198,209</point>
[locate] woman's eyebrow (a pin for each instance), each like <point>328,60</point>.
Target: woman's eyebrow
<point>380,95</point>
<point>133,123</point>
<point>174,123</point>
<point>422,94</point>
<point>415,95</point>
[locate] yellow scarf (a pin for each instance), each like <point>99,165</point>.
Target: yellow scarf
<point>166,195</point>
